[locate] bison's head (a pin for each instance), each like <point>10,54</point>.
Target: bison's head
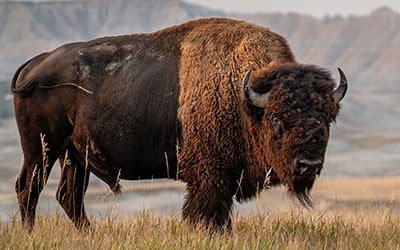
<point>291,108</point>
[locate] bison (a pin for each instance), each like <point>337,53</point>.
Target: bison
<point>217,103</point>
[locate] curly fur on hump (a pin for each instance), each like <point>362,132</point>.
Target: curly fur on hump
<point>215,56</point>
<point>227,152</point>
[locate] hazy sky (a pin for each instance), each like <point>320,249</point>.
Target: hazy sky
<point>318,8</point>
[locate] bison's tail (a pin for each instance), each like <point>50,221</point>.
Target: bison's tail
<point>24,89</point>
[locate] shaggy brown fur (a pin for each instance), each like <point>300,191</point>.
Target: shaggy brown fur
<point>215,56</point>
<point>182,85</point>
<point>301,100</point>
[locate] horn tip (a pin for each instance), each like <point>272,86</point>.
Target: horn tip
<point>341,90</point>
<point>247,77</point>
<point>342,75</point>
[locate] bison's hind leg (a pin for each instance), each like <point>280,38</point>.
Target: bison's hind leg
<point>44,133</point>
<point>71,190</point>
<point>40,155</point>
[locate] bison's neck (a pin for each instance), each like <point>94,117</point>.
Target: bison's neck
<point>256,163</point>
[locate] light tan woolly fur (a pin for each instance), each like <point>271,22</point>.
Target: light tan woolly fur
<point>211,77</point>
<point>216,54</point>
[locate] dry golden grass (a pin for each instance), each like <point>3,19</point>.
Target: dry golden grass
<point>344,222</point>
<point>378,229</point>
<point>349,224</point>
<point>356,189</point>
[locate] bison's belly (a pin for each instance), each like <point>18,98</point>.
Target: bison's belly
<point>133,158</point>
<point>134,146</point>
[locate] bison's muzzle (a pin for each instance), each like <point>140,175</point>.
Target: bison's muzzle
<point>307,167</point>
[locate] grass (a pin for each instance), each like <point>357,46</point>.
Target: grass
<point>378,229</point>
<point>341,227</point>
<point>357,213</point>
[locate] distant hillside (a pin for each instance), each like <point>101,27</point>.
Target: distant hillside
<point>366,47</point>
<point>27,28</point>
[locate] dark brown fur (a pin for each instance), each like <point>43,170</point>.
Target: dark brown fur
<point>178,88</point>
<point>301,98</point>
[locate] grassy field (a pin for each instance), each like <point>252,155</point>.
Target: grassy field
<point>279,230</point>
<point>357,213</point>
<point>362,214</point>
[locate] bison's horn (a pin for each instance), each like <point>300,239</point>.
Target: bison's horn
<point>256,99</point>
<point>340,91</point>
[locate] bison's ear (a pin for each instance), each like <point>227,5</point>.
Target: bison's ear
<point>252,97</point>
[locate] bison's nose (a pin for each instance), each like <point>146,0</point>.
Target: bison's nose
<point>306,166</point>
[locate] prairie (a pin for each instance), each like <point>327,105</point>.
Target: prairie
<point>358,213</point>
<point>374,229</point>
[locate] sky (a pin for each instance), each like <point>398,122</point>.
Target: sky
<point>317,8</point>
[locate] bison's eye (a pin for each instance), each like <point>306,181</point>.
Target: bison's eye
<point>275,120</point>
<point>276,123</point>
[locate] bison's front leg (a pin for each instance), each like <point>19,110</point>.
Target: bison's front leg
<point>209,200</point>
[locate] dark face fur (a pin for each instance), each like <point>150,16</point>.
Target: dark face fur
<point>293,128</point>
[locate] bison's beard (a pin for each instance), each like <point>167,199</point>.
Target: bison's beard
<point>298,186</point>
<point>301,191</point>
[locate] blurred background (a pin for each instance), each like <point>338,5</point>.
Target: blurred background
<point>361,37</point>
